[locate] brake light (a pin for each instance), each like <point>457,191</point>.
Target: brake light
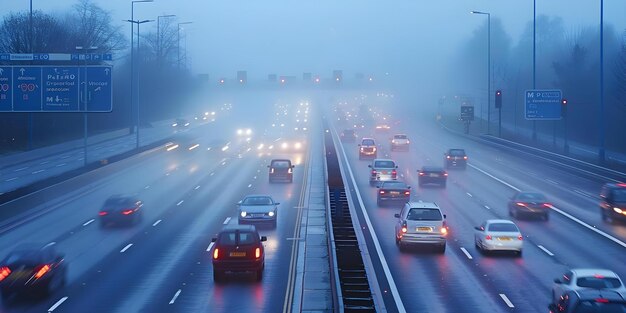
<point>42,270</point>
<point>547,205</point>
<point>488,237</point>
<point>602,300</point>
<point>598,276</point>
<point>394,173</point>
<point>521,204</point>
<point>445,174</point>
<point>520,237</point>
<point>465,157</point>
<point>422,173</point>
<point>407,192</point>
<point>373,172</point>
<point>216,253</point>
<point>4,272</point>
<point>103,213</point>
<point>257,253</point>
<point>382,192</point>
<point>127,212</point>
<point>447,157</point>
<point>444,231</point>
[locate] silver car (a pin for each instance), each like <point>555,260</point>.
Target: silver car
<point>587,278</point>
<point>382,170</point>
<point>421,223</point>
<point>258,208</point>
<point>498,235</point>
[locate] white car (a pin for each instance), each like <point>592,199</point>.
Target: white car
<point>502,235</point>
<point>421,223</point>
<point>382,170</point>
<point>400,142</point>
<point>586,278</point>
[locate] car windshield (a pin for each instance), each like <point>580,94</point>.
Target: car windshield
<point>393,185</point>
<point>257,201</point>
<point>531,197</point>
<point>281,164</point>
<point>598,282</point>
<point>23,256</point>
<point>619,195</point>
<point>117,202</point>
<point>457,152</point>
<point>399,137</point>
<point>419,214</point>
<point>503,227</point>
<point>594,306</point>
<point>384,164</point>
<point>367,142</point>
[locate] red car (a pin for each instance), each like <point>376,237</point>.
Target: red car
<point>238,249</point>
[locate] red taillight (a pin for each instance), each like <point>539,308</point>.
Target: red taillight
<point>547,205</point>
<point>445,174</point>
<point>422,173</point>
<point>127,212</point>
<point>465,158</point>
<point>394,173</point>
<point>4,272</point>
<point>406,193</point>
<point>447,157</point>
<point>602,300</point>
<point>382,192</point>
<point>373,172</point>
<point>521,204</point>
<point>216,253</point>
<point>598,276</point>
<point>257,253</point>
<point>520,237</point>
<point>41,270</point>
<point>103,213</point>
<point>488,237</point>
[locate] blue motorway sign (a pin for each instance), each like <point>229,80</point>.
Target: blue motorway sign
<point>543,104</point>
<point>51,57</point>
<point>56,89</point>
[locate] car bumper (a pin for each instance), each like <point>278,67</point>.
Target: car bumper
<point>266,219</point>
<point>432,180</point>
<point>394,198</point>
<point>238,265</point>
<point>494,245</point>
<point>422,239</point>
<point>529,210</point>
<point>22,286</point>
<point>456,163</point>
<point>284,177</point>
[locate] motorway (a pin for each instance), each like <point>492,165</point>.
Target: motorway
<point>463,279</point>
<point>189,189</point>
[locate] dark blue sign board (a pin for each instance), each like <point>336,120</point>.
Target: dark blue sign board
<point>543,104</point>
<point>56,89</point>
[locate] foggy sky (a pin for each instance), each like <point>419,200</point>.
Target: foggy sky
<point>290,37</point>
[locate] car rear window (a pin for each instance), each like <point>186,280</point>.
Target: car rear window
<point>619,195</point>
<point>399,137</point>
<point>598,282</point>
<point>457,152</point>
<point>503,227</point>
<point>23,257</point>
<point>281,164</point>
<point>419,214</point>
<point>593,306</point>
<point>246,238</point>
<point>531,196</point>
<point>384,164</point>
<point>393,185</point>
<point>367,142</point>
<point>117,201</point>
<point>257,201</point>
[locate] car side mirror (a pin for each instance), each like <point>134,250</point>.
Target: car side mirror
<point>478,228</point>
<point>276,203</point>
<point>359,145</point>
<point>263,238</point>
<point>268,166</point>
<point>239,203</point>
<point>213,239</point>
<point>445,216</point>
<point>408,187</point>
<point>557,281</point>
<point>397,215</point>
<point>369,165</point>
<point>396,166</point>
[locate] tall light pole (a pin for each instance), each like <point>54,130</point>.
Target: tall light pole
<point>534,59</point>
<point>132,49</point>
<point>183,23</point>
<point>85,99</point>
<point>159,36</point>
<point>601,151</point>
<point>137,115</point>
<point>488,68</point>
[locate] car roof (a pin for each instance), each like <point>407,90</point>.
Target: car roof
<point>233,227</point>
<point>616,185</point>
<point>256,195</point>
<point>458,149</point>
<point>423,205</point>
<point>367,138</point>
<point>384,160</point>
<point>499,221</point>
<point>281,160</point>
<point>389,182</point>
<point>590,294</point>
<point>593,271</point>
<point>399,135</point>
<point>432,168</point>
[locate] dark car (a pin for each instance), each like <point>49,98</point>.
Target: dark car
<point>589,301</point>
<point>238,249</point>
<point>32,269</point>
<point>258,208</point>
<point>613,202</point>
<point>529,203</point>
<point>348,135</point>
<point>432,175</point>
<point>181,123</point>
<point>455,158</point>
<point>120,209</point>
<point>367,149</point>
<point>281,170</point>
<point>393,191</point>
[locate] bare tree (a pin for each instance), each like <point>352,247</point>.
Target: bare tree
<point>91,26</point>
<point>48,35</point>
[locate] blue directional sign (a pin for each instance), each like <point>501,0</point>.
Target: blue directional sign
<point>543,104</point>
<point>60,89</point>
<point>26,89</point>
<point>99,91</point>
<point>6,94</point>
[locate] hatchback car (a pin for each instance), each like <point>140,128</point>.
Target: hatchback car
<point>585,278</point>
<point>432,175</point>
<point>32,269</point>
<point>589,301</point>
<point>238,249</point>
<point>120,209</point>
<point>393,191</point>
<point>258,208</point>
<point>280,170</point>
<point>348,135</point>
<point>498,235</point>
<point>455,158</point>
<point>421,223</point>
<point>613,202</point>
<point>367,149</point>
<point>382,170</point>
<point>400,142</point>
<point>529,203</point>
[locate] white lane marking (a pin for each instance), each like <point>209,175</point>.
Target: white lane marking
<point>89,222</point>
<point>545,250</point>
<point>212,173</point>
<point>250,185</point>
<point>469,194</point>
<point>37,172</point>
<point>56,305</point>
<point>487,207</point>
<point>467,254</point>
<point>175,296</point>
<point>506,300</point>
<point>180,202</point>
<point>148,186</point>
<point>62,164</point>
<point>197,187</point>
<point>126,248</point>
<point>254,177</point>
<point>552,182</point>
<point>44,162</point>
<point>10,179</point>
<point>20,169</point>
<point>381,256</point>
<point>67,156</point>
<point>156,223</point>
<point>599,232</point>
<point>210,246</point>
<point>226,221</point>
<point>194,146</point>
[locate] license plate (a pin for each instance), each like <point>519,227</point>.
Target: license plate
<point>504,238</point>
<point>20,275</point>
<point>384,172</point>
<point>257,215</point>
<point>434,175</point>
<point>426,229</point>
<point>395,193</point>
<point>237,254</point>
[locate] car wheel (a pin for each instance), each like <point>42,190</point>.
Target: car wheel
<point>218,276</point>
<point>378,202</point>
<point>5,297</point>
<point>443,185</point>
<point>442,248</point>
<point>397,241</point>
<point>546,216</point>
<point>259,275</point>
<point>519,253</point>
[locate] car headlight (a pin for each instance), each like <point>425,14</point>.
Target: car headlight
<point>298,145</point>
<point>243,213</point>
<point>271,214</point>
<point>618,210</point>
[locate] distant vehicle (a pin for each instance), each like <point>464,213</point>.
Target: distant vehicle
<point>120,209</point>
<point>382,170</point>
<point>31,269</point>
<point>589,301</point>
<point>238,249</point>
<point>455,158</point>
<point>348,135</point>
<point>529,203</point>
<point>280,170</point>
<point>613,202</point>
<point>367,149</point>
<point>432,175</point>
<point>400,142</point>
<point>498,235</point>
<point>383,127</point>
<point>181,123</point>
<point>393,191</point>
<point>586,278</point>
<point>258,208</point>
<point>421,223</point>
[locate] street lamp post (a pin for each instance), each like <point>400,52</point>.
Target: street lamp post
<point>132,49</point>
<point>137,115</point>
<point>601,150</point>
<point>84,99</point>
<point>488,68</point>
<point>183,23</point>
<point>159,36</point>
<point>534,59</point>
